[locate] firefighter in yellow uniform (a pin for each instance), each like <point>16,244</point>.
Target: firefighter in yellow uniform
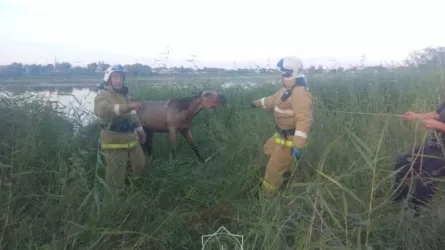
<point>121,131</point>
<point>292,106</point>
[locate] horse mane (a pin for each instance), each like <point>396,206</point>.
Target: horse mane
<point>184,103</point>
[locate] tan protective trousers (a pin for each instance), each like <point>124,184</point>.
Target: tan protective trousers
<point>280,161</point>
<point>117,161</point>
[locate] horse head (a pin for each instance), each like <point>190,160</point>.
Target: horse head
<point>210,98</point>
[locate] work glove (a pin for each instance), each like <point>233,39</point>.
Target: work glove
<point>296,153</point>
<point>141,135</point>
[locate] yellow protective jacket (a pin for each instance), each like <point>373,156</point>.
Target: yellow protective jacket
<point>293,113</point>
<point>111,108</point>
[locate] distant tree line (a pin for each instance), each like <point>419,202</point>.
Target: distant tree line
<point>137,69</point>
<point>428,57</point>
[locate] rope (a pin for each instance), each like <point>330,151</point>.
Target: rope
<point>344,112</point>
<point>363,113</point>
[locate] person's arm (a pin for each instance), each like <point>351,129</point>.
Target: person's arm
<point>432,115</point>
<point>135,119</point>
<point>103,107</point>
<point>423,116</point>
<point>139,129</point>
<point>302,105</point>
<point>266,102</point>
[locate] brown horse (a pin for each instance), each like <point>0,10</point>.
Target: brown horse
<point>171,116</point>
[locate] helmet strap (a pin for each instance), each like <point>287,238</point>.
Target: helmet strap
<point>123,90</point>
<point>102,85</point>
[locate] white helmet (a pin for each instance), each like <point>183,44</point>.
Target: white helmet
<point>111,69</point>
<point>291,67</point>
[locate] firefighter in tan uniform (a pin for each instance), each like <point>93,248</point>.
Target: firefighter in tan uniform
<point>121,130</point>
<point>293,114</point>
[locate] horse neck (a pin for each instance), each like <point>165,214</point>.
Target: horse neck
<point>194,109</point>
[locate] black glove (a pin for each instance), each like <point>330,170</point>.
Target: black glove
<point>253,105</point>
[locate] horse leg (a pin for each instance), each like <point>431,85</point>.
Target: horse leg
<point>148,145</point>
<point>172,132</point>
<point>187,133</point>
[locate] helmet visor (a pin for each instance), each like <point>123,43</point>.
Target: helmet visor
<point>284,72</point>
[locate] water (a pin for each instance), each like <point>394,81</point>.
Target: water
<point>76,103</point>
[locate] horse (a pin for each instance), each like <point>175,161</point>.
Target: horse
<point>173,115</point>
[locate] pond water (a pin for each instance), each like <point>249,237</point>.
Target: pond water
<point>77,103</point>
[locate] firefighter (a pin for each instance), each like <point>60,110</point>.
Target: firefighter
<point>292,107</point>
<point>121,130</point>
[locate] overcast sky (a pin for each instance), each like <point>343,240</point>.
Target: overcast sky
<point>217,32</point>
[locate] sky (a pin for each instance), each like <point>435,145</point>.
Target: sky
<point>229,33</point>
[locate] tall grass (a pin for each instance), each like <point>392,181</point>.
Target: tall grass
<point>338,196</point>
